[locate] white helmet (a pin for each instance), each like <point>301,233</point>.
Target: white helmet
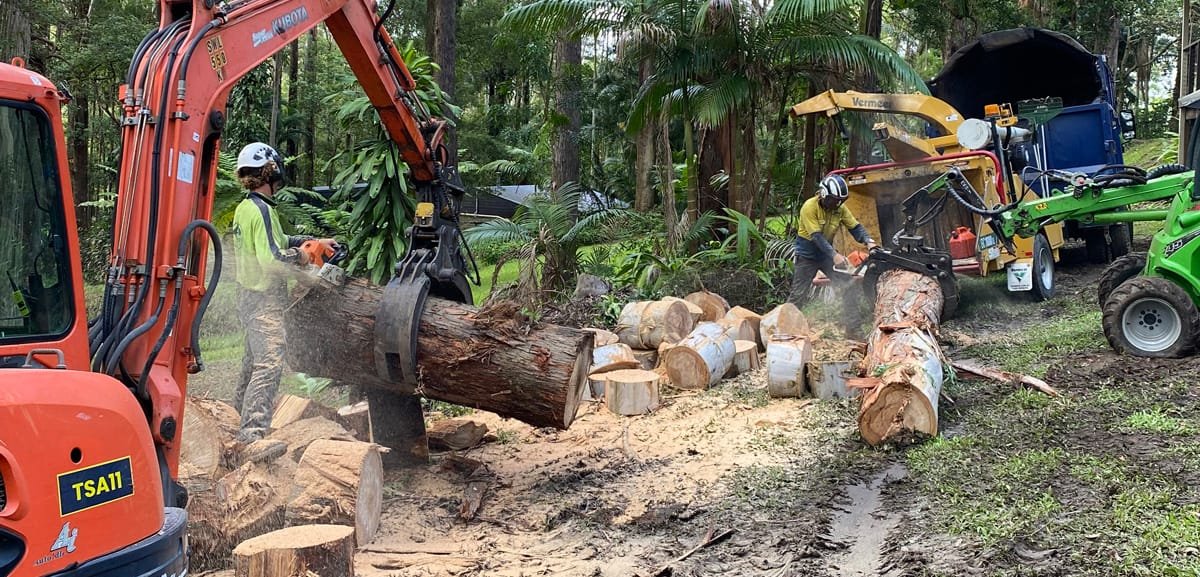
<point>257,155</point>
<point>833,189</point>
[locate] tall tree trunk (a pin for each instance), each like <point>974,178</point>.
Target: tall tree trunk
<point>668,184</point>
<point>833,153</point>
<point>810,149</point>
<point>81,181</point>
<point>871,25</point>
<point>293,76</point>
<point>713,147</point>
<point>431,14</point>
<point>276,88</point>
<point>644,159</point>
<point>567,62</point>
<point>310,120</point>
<point>16,33</point>
<point>749,188</point>
<point>445,53</point>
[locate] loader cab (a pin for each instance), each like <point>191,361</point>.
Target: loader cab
<point>41,304</point>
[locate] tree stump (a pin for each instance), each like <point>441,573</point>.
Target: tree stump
<point>784,319</point>
<point>786,357</point>
<point>480,359</point>
<point>700,360</point>
<point>323,550</point>
<point>713,305</point>
<point>647,324</point>
<point>339,482</point>
<point>904,359</point>
<point>631,392</point>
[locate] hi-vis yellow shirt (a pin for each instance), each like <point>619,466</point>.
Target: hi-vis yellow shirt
<point>814,218</point>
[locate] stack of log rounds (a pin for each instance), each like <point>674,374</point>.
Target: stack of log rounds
<point>631,392</point>
<point>751,317</point>
<point>339,482</point>
<point>693,309</point>
<point>786,358</point>
<point>745,358</point>
<point>713,305</point>
<point>298,551</point>
<point>647,324</point>
<point>700,360</point>
<point>784,319</point>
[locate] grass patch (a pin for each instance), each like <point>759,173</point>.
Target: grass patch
<point>1076,328</point>
<point>1169,535</point>
<point>223,347</point>
<point>1157,420</point>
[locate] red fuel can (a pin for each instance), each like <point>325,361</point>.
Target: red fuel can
<point>962,243</point>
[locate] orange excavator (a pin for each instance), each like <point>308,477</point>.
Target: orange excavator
<point>91,412</point>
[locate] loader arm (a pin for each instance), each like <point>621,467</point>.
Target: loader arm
<point>174,113</point>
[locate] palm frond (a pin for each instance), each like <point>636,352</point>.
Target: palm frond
<point>498,230</point>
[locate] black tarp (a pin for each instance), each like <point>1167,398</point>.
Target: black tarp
<point>1018,64</point>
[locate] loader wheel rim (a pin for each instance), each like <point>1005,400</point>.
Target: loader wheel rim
<point>1047,269</point>
<point>1151,324</point>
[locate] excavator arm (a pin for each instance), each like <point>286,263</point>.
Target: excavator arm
<point>174,112</point>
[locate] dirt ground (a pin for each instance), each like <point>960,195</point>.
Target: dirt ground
<point>1102,481</point>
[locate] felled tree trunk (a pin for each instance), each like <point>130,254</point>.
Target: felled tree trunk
<point>494,364</point>
<point>903,358</point>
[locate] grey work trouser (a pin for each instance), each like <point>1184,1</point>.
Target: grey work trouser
<point>850,292</point>
<point>261,314</point>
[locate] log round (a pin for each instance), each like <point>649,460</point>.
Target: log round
<point>745,357</point>
<point>647,324</point>
<point>297,551</point>
<point>700,360</point>
<point>739,329</point>
<point>647,357</point>
<point>537,376</point>
<point>631,391</point>
<point>693,309</point>
<point>613,357</point>
<point>209,427</point>
<point>751,317</point>
<point>786,357</point>
<point>784,319</point>
<point>339,482</point>
<point>603,337</point>
<point>903,354</point>
<point>712,304</point>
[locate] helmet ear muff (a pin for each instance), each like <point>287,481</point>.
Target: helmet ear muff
<point>276,175</point>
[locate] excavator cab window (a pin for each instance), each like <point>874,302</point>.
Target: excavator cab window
<point>34,264</point>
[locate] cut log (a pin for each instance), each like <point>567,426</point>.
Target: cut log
<point>647,358</point>
<point>323,550</point>
<point>751,317</point>
<point>713,305</point>
<point>455,434</point>
<point>647,324</point>
<point>357,419</point>
<point>292,408</point>
<point>603,337</point>
<point>301,434</point>
<point>631,391</point>
<point>339,482</point>
<point>246,502</point>
<point>693,309</point>
<point>491,362</point>
<point>745,358</point>
<point>739,329</point>
<point>903,354</point>
<point>784,319</point>
<point>596,386</point>
<point>827,379</point>
<point>612,358</point>
<point>700,360</point>
<point>209,429</point>
<point>786,358</point>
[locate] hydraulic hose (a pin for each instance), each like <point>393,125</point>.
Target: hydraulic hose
<point>952,185</point>
<point>115,355</point>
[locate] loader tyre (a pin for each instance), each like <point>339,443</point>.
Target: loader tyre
<point>1043,269</point>
<point>1120,239</point>
<point>1166,169</point>
<point>1097,246</point>
<point>1151,317</point>
<point>1119,271</point>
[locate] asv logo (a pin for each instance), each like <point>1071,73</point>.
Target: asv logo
<point>66,539</point>
<point>62,546</point>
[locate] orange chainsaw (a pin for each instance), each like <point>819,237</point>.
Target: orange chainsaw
<point>323,261</point>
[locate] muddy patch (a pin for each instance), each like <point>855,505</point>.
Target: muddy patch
<point>863,525</point>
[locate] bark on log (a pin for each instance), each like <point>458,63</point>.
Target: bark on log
<point>786,358</point>
<point>903,354</point>
<point>631,391</point>
<point>713,305</point>
<point>647,324</point>
<point>339,482</point>
<point>475,360</point>
<point>296,552</point>
<point>612,358</point>
<point>784,319</point>
<point>291,408</point>
<point>357,419</point>
<point>700,360</point>
<point>693,309</point>
<point>745,358</point>
<point>455,434</point>
<point>751,317</point>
